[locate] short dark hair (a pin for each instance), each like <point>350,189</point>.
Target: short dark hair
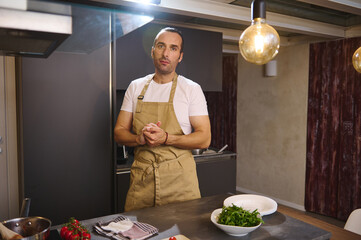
<point>174,30</point>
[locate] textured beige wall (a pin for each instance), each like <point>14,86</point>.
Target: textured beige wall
<point>271,126</point>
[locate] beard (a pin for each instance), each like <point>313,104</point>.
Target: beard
<point>164,69</point>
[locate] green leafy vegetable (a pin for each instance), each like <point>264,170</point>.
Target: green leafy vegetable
<point>237,216</point>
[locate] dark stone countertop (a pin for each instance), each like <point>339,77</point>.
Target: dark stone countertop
<point>192,219</point>
<point>125,164</point>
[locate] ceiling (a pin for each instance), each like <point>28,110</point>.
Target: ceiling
<point>310,10</point>
<point>297,21</point>
<point>346,16</point>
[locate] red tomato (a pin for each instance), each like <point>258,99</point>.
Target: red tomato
<point>68,235</point>
<point>73,220</point>
<point>63,231</point>
<point>86,235</point>
<point>173,238</point>
<point>74,237</point>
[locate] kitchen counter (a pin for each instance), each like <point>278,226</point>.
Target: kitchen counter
<point>192,219</point>
<point>124,165</point>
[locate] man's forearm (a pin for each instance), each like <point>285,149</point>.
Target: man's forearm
<point>191,141</point>
<point>125,137</point>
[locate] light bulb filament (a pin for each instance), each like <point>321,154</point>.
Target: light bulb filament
<point>259,43</point>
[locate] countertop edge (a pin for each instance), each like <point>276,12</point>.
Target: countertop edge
<point>197,159</point>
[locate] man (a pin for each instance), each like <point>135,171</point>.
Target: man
<point>157,116</point>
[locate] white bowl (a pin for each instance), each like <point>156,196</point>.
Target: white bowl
<point>251,202</point>
<point>231,230</point>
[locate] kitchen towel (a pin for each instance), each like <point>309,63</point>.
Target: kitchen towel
<point>122,228</point>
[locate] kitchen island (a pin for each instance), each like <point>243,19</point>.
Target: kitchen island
<point>192,219</point>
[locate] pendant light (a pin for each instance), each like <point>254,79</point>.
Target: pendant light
<point>260,42</point>
<point>356,60</point>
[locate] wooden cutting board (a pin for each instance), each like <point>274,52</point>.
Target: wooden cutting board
<point>178,237</point>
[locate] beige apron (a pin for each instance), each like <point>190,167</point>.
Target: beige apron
<point>163,174</point>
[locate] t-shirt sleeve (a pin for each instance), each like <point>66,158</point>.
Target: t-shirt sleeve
<point>127,104</point>
<point>198,103</point>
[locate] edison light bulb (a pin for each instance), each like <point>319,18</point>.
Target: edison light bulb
<point>259,43</point>
<point>356,60</point>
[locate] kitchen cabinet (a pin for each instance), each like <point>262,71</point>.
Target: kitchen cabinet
<point>123,181</point>
<point>216,175</point>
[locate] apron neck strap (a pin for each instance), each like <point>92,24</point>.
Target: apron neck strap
<point>141,96</point>
<point>138,108</point>
<point>174,85</point>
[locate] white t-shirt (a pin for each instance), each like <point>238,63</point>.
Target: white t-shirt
<point>188,99</point>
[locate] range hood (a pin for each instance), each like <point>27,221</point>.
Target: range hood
<point>31,33</point>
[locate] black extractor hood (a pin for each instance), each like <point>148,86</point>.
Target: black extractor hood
<point>32,29</point>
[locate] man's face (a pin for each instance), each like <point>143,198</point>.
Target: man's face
<point>166,52</point>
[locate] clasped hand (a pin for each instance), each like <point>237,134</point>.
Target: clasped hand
<point>152,135</point>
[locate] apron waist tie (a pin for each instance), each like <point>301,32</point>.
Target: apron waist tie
<point>154,167</point>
